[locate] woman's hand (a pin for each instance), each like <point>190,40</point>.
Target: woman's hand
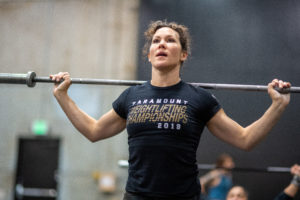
<point>277,97</point>
<point>62,83</point>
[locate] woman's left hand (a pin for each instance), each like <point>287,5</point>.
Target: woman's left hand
<point>281,98</point>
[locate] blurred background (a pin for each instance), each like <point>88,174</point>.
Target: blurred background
<point>242,42</point>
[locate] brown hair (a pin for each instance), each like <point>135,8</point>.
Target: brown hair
<point>183,31</point>
<point>221,159</point>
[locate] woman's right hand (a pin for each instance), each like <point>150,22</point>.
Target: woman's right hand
<point>62,83</point>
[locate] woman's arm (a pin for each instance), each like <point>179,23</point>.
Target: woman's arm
<point>246,138</point>
<point>108,125</point>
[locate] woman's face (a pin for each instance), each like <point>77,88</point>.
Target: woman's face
<point>228,163</point>
<point>165,50</point>
<point>237,193</point>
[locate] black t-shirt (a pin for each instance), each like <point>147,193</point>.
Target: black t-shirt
<point>164,126</point>
<point>283,196</point>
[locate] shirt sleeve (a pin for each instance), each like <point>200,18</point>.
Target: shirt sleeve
<point>119,105</point>
<point>212,106</point>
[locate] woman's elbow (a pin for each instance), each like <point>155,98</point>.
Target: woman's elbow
<point>92,139</point>
<point>92,136</point>
<point>243,143</point>
<point>246,146</point>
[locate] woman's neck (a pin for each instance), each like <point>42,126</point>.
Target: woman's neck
<point>165,79</point>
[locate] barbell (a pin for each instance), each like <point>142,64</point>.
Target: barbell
<point>207,167</point>
<point>30,79</point>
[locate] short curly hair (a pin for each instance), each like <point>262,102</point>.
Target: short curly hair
<point>183,31</point>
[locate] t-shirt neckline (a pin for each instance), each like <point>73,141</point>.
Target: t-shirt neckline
<point>164,88</point>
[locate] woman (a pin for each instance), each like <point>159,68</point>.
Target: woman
<point>164,119</point>
<point>216,183</point>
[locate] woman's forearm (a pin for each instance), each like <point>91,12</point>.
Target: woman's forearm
<point>81,121</point>
<point>259,129</point>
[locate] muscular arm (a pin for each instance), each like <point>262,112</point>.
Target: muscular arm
<point>106,126</point>
<point>246,138</point>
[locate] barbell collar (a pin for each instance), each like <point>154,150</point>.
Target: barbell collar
<point>27,79</point>
<point>30,79</point>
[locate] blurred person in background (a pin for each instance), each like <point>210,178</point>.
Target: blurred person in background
<point>290,191</point>
<point>216,183</point>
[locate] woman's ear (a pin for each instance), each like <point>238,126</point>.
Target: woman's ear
<point>184,56</point>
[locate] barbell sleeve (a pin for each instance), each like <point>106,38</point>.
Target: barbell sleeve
<point>30,79</point>
<point>11,78</point>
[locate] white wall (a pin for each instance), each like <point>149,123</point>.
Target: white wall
<point>92,39</point>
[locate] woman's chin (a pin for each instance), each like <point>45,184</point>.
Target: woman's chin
<point>164,66</point>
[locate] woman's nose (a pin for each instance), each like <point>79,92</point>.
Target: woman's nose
<point>162,44</point>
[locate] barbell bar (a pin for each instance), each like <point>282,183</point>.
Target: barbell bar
<point>207,167</point>
<point>30,79</point>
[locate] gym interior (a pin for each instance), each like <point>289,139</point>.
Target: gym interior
<point>42,156</point>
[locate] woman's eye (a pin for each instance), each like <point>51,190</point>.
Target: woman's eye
<point>171,40</point>
<point>155,41</point>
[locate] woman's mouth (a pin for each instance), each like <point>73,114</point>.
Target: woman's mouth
<point>163,54</point>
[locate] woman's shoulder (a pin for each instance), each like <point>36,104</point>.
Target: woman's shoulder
<point>137,87</point>
<point>190,87</point>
